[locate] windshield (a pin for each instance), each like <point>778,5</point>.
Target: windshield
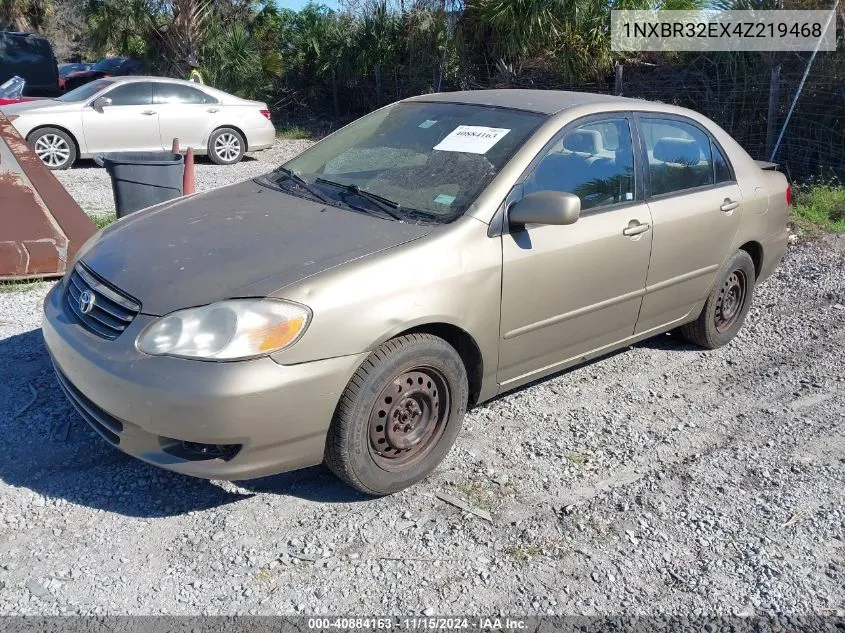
<point>85,91</point>
<point>432,158</point>
<point>109,64</point>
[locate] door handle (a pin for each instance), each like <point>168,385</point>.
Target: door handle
<point>213,110</point>
<point>729,205</point>
<point>635,229</point>
<point>148,112</point>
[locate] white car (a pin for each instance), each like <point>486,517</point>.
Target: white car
<point>142,114</point>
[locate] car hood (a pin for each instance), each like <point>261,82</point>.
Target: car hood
<point>245,240</point>
<point>35,105</point>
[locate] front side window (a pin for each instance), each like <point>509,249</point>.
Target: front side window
<point>594,161</point>
<point>430,158</point>
<point>679,155</point>
<point>131,94</point>
<point>179,94</point>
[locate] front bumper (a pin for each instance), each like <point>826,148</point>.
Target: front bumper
<point>278,415</point>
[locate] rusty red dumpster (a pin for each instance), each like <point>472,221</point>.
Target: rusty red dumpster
<point>41,226</point>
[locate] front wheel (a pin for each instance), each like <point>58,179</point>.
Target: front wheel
<point>399,415</point>
<point>54,147</point>
<point>726,306</point>
<point>226,146</point>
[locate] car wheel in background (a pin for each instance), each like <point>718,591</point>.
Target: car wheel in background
<point>226,146</point>
<point>54,147</point>
<point>399,415</point>
<point>726,306</point>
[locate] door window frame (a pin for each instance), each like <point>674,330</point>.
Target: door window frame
<point>499,224</point>
<point>573,125</point>
<point>640,117</point>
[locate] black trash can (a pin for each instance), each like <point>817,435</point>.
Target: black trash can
<point>142,179</point>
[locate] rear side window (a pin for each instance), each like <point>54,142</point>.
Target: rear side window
<point>135,93</point>
<point>679,155</point>
<point>720,166</point>
<point>177,93</point>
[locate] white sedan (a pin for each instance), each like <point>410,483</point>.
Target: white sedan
<point>142,114</point>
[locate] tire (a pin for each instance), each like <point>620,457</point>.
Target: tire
<point>55,147</point>
<point>726,306</point>
<point>226,146</point>
<point>380,459</point>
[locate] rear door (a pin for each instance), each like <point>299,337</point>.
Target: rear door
<point>129,124</point>
<point>186,113</point>
<point>695,208</point>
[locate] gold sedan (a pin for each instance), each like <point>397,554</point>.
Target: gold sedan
<point>351,305</point>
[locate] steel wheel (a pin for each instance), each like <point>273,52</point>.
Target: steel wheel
<point>408,418</point>
<point>53,150</point>
<point>730,300</point>
<point>227,146</point>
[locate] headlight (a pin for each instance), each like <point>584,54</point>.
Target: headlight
<point>227,330</point>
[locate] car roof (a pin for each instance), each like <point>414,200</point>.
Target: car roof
<point>169,80</point>
<point>541,101</point>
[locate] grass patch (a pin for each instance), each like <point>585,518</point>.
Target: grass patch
<point>475,494</point>
<point>577,459</point>
<point>819,208</point>
<point>292,133</point>
<point>102,221</point>
<point>523,553</point>
<point>8,287</point>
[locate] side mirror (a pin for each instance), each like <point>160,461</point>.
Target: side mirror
<point>100,103</point>
<point>545,207</point>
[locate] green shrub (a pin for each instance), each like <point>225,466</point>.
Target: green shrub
<point>819,208</point>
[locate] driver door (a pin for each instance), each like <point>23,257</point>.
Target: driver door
<point>571,290</point>
<point>129,124</point>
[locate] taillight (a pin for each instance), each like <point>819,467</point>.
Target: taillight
<point>789,196</point>
<point>266,114</point>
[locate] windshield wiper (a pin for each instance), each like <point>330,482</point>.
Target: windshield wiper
<point>304,184</point>
<point>384,204</point>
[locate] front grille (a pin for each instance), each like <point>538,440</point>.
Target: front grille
<point>109,311</point>
<point>99,420</point>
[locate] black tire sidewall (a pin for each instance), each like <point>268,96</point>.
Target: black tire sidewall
<point>213,138</point>
<point>34,136</point>
<point>739,261</point>
<point>444,359</point>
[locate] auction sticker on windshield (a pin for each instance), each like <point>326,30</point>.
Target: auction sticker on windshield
<point>472,139</point>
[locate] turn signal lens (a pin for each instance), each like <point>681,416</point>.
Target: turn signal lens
<point>266,114</point>
<point>227,330</point>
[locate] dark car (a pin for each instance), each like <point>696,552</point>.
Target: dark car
<point>30,57</point>
<point>66,69</point>
<point>106,67</point>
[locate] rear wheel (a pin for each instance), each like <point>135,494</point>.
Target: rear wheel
<point>226,146</point>
<point>725,309</point>
<point>399,415</point>
<point>54,147</point>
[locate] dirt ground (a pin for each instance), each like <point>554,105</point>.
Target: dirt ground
<point>661,479</point>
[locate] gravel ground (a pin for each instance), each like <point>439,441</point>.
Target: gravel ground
<point>662,479</point>
<point>91,186</point>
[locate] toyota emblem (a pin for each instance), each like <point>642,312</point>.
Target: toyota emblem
<point>86,302</point>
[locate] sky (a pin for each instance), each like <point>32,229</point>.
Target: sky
<point>296,5</point>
